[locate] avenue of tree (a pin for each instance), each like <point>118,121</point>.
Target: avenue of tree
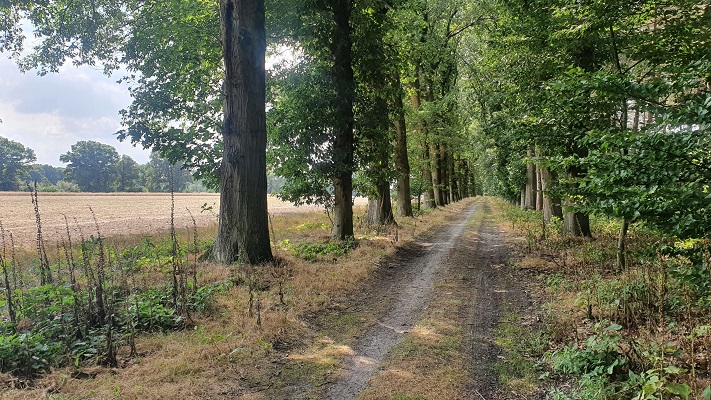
<point>568,107</point>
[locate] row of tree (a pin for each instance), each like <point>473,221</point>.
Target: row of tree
<point>370,92</point>
<point>572,107</point>
<point>91,167</point>
<point>597,107</point>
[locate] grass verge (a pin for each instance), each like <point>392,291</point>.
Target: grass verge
<point>263,337</point>
<point>642,332</point>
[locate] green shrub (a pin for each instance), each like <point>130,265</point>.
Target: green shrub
<point>27,354</point>
<point>91,346</point>
<point>600,357</point>
<point>204,296</point>
<point>311,251</point>
<point>147,312</point>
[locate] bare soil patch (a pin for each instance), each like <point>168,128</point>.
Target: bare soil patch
<point>496,289</point>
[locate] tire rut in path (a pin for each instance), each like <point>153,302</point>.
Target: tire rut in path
<point>494,290</point>
<point>411,296</point>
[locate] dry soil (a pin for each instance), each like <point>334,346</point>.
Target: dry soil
<point>471,250</point>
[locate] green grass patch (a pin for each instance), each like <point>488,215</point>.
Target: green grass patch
<point>522,347</point>
<point>313,251</point>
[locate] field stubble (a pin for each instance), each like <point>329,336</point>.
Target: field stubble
<point>118,214</point>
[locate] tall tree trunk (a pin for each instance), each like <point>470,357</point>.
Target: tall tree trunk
<point>402,164</point>
<point>421,127</point>
<point>380,211</point>
<point>464,182</point>
<point>447,174</point>
<point>584,224</point>
<point>551,204</point>
<point>429,196</point>
<point>386,205</point>
<point>443,174</point>
<point>621,256</point>
<point>471,181</point>
<point>530,202</point>
<point>435,169</point>
<point>625,223</point>
<point>243,230</point>
<point>575,223</point>
<point>453,181</point>
<point>539,188</point>
<point>341,48</point>
<point>523,198</point>
<point>461,179</point>
<point>435,156</point>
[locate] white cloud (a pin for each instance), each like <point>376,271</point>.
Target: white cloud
<point>50,113</point>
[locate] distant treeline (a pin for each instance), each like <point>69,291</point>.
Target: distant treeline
<point>96,167</point>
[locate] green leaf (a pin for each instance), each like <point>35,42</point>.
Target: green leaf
<point>672,369</point>
<point>680,389</point>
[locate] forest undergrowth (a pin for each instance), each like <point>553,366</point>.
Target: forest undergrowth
<point>638,332</point>
<point>144,317</point>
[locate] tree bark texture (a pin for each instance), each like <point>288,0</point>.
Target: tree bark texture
<point>625,223</point>
<point>453,184</point>
<point>575,223</point>
<point>539,189</point>
<point>402,163</point>
<point>551,204</point>
<point>621,241</point>
<point>429,196</point>
<point>435,169</point>
<point>341,49</point>
<point>465,185</point>
<point>435,165</point>
<point>380,210</point>
<point>425,174</point>
<point>446,177</point>
<point>530,202</point>
<point>471,187</point>
<point>461,168</point>
<point>243,231</point>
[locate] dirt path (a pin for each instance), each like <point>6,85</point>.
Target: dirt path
<point>494,290</point>
<point>470,251</point>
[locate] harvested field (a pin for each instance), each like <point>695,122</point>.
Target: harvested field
<point>117,214</point>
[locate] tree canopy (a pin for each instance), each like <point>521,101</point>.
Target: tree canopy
<point>92,165</point>
<point>613,96</point>
<point>15,162</point>
<point>163,176</point>
<point>573,108</point>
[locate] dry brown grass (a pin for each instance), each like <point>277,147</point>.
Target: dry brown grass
<point>431,362</point>
<point>225,352</point>
<point>579,285</point>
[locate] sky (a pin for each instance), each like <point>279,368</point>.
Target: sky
<point>50,113</point>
